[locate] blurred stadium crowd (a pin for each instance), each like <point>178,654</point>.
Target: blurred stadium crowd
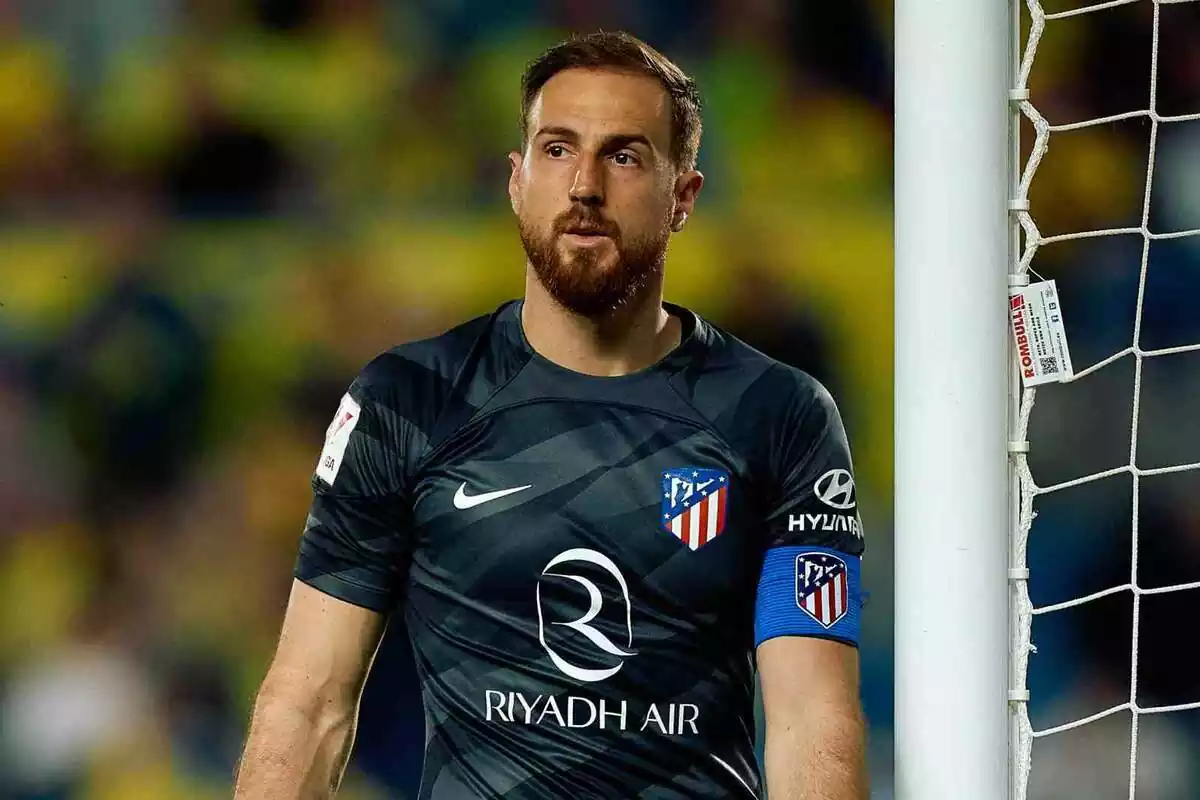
<point>213,212</point>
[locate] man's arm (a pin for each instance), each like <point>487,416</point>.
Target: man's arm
<point>809,601</point>
<point>303,723</point>
<point>815,733</point>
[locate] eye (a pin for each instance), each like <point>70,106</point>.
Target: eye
<point>556,151</point>
<point>625,159</point>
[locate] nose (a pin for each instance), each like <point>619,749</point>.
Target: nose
<point>588,186</point>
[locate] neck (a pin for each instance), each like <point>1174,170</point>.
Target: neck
<point>625,340</point>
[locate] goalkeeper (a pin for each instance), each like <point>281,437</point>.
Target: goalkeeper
<point>598,513</point>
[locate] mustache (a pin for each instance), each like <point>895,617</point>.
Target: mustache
<point>583,221</point>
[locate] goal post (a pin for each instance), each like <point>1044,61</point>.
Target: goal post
<point>953,177</point>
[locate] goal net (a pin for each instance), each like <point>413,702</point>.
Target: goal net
<point>1105,562</point>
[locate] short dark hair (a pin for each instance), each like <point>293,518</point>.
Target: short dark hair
<point>622,52</point>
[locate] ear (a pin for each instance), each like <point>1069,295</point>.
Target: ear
<point>687,188</point>
<point>515,162</point>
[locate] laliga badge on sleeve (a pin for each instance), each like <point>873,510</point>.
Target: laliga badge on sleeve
<point>336,438</point>
<point>1035,319</point>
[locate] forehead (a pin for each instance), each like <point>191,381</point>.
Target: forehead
<point>593,101</point>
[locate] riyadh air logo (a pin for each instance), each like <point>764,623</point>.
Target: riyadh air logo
<point>583,625</point>
<point>836,489</point>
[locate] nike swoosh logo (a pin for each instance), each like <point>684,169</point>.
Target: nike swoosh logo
<point>463,501</point>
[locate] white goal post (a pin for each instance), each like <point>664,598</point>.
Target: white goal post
<point>965,493</point>
<point>953,177</point>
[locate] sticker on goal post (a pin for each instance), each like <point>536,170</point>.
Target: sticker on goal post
<point>1035,317</point>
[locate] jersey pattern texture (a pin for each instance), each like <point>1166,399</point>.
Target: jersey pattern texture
<point>581,561</point>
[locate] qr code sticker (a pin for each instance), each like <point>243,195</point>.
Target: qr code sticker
<point>1049,364</point>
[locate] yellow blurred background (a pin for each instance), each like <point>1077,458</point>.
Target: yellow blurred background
<point>213,212</point>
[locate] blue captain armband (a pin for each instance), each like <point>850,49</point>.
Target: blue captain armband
<point>808,591</point>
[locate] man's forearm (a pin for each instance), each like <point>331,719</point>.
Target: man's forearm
<point>817,757</point>
<point>293,753</point>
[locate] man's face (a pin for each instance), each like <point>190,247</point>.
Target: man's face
<point>595,191</point>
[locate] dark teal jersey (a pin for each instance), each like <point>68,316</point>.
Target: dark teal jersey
<point>586,564</point>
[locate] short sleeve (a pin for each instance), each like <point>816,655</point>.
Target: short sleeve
<point>357,538</point>
<point>810,583</point>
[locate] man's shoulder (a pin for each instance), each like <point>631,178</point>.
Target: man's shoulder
<point>441,355</point>
<point>761,407</point>
<point>734,377</point>
<point>421,378</point>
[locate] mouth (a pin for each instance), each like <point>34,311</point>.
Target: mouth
<point>583,237</point>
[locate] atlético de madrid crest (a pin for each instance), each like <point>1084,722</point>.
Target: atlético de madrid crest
<point>695,502</point>
<point>822,587</point>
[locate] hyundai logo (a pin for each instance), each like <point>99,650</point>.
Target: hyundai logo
<point>836,489</point>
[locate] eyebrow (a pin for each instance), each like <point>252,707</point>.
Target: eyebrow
<point>613,141</point>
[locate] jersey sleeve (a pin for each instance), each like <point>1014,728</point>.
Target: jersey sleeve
<point>810,584</point>
<point>357,538</point>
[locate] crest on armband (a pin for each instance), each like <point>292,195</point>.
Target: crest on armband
<point>822,587</point>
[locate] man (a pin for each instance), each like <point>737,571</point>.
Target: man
<point>595,510</point>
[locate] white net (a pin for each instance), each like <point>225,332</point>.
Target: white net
<point>1031,493</point>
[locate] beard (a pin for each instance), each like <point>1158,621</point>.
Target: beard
<point>578,279</point>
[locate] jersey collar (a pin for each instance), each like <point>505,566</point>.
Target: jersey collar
<point>694,339</point>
